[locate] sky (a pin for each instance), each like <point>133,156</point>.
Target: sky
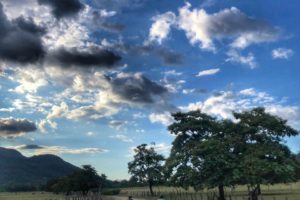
<point>89,80</point>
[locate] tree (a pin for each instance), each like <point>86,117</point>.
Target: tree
<point>210,152</point>
<point>80,181</point>
<point>146,166</point>
<point>266,159</point>
<point>202,154</point>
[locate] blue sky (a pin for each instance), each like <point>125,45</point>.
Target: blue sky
<point>92,80</point>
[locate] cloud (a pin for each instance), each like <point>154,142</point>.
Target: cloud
<point>235,57</point>
<point>29,147</point>
<point>90,134</point>
<point>208,72</point>
<point>223,104</point>
<point>99,20</point>
<point>11,128</point>
<point>162,118</point>
<point>161,26</point>
<point>63,8</point>
<point>136,88</point>
<point>203,28</point>
<point>122,138</point>
<point>30,80</point>
<point>282,53</point>
<point>91,58</point>
<point>20,40</point>
<point>117,124</point>
<point>57,150</point>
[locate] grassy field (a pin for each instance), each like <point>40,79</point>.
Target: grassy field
<point>30,196</point>
<point>274,192</point>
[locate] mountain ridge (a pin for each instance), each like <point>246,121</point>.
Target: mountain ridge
<point>17,169</point>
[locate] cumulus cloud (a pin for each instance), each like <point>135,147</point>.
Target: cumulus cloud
<point>161,26</point>
<point>236,57</point>
<point>63,8</point>
<point>164,118</point>
<point>11,128</point>
<point>208,72</point>
<point>282,53</point>
<point>204,28</point>
<point>136,88</point>
<point>223,104</point>
<point>20,40</point>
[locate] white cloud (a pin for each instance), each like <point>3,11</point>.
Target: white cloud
<point>164,118</point>
<point>282,53</point>
<point>90,134</point>
<point>235,57</point>
<point>122,138</point>
<point>57,150</point>
<point>30,80</point>
<point>173,73</point>
<point>208,72</point>
<point>204,28</point>
<point>223,104</point>
<point>161,27</point>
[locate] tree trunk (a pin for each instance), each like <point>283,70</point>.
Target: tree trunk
<point>253,194</point>
<point>221,192</point>
<point>258,189</point>
<point>150,187</point>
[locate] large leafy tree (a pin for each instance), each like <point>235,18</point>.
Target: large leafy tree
<point>202,154</point>
<point>208,152</point>
<point>265,158</point>
<point>147,166</point>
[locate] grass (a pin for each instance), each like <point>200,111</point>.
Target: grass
<point>271,192</point>
<point>30,196</point>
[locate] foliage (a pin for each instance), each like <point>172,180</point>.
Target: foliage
<point>82,180</point>
<point>146,166</point>
<point>110,191</point>
<point>209,152</point>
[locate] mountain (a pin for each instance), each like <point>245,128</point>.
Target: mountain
<point>16,169</point>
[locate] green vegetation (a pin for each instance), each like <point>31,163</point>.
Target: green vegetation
<point>82,180</point>
<point>146,166</point>
<point>213,153</point>
<point>30,196</point>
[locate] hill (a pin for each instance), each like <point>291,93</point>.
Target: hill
<point>18,170</point>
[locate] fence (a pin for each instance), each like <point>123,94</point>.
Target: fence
<point>80,196</point>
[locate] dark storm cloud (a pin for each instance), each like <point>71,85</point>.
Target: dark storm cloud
<point>63,8</point>
<point>10,127</point>
<point>137,88</point>
<point>75,58</point>
<point>167,56</point>
<point>20,40</point>
<point>30,147</point>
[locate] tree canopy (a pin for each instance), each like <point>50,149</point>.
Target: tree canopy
<point>80,181</point>
<point>147,165</point>
<point>212,152</point>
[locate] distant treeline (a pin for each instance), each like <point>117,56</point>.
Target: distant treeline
<point>82,180</point>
